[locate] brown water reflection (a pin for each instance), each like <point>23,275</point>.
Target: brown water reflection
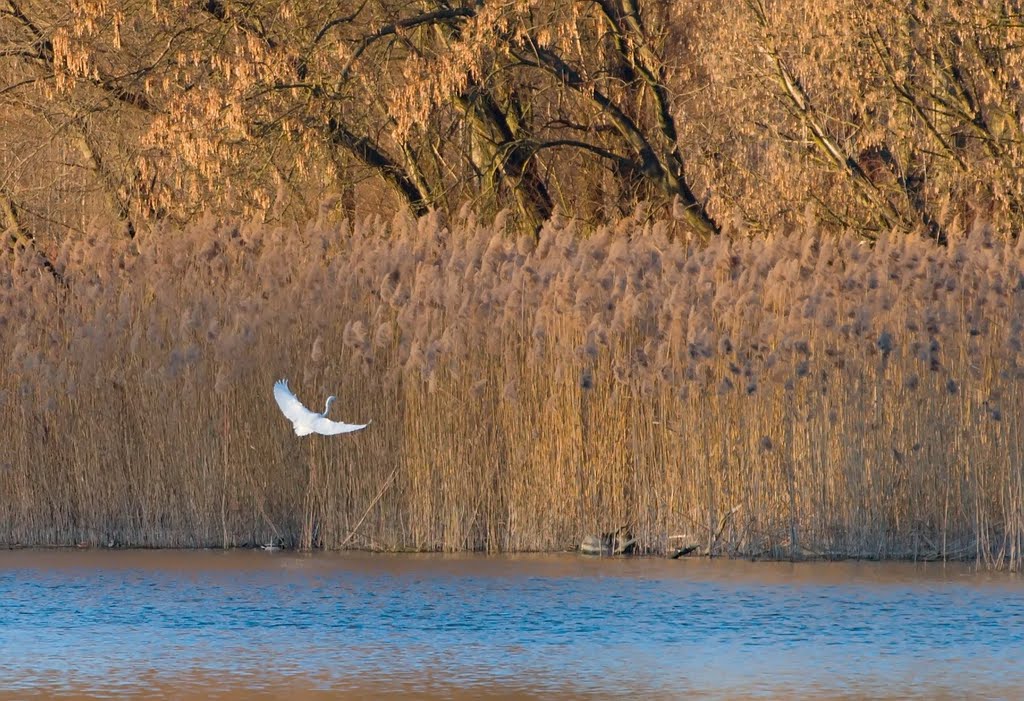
<point>251,624</point>
<point>512,565</point>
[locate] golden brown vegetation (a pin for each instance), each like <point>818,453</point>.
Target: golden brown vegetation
<point>875,116</point>
<point>852,400</point>
<point>773,391</point>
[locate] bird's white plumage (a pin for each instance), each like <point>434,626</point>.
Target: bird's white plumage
<point>305,421</point>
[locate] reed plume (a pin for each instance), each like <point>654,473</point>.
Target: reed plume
<point>850,400</point>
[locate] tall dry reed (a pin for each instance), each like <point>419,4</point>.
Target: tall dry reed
<point>799,394</point>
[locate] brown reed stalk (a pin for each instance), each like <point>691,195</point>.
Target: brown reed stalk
<point>854,401</point>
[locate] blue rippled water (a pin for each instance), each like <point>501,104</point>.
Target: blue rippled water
<point>242,624</point>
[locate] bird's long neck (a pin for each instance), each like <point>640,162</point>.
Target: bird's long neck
<point>327,406</point>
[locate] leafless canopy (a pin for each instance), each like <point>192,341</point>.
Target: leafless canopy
<point>746,114</point>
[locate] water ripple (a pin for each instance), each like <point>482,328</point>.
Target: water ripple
<point>205,624</point>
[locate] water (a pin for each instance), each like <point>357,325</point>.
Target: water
<point>279,625</point>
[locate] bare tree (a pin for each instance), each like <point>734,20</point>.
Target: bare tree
<point>871,117</point>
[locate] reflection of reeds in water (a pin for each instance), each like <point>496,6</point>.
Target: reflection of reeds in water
<point>851,400</point>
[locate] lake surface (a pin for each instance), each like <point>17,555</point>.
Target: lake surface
<point>233,625</point>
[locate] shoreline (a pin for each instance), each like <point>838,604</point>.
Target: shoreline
<point>807,557</point>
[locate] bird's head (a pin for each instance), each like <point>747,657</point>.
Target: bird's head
<point>327,406</point>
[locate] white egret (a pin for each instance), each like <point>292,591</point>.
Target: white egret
<point>306,421</point>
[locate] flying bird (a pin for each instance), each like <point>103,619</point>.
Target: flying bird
<point>306,421</point>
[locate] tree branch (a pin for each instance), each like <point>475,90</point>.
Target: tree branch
<point>620,161</point>
<point>335,22</point>
<point>18,238</point>
<point>394,27</point>
<point>667,175</point>
<point>798,98</point>
<point>373,156</point>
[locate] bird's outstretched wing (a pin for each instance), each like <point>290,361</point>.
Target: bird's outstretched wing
<point>290,405</point>
<point>333,428</point>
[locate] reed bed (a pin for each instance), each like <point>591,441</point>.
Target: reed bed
<point>799,395</point>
